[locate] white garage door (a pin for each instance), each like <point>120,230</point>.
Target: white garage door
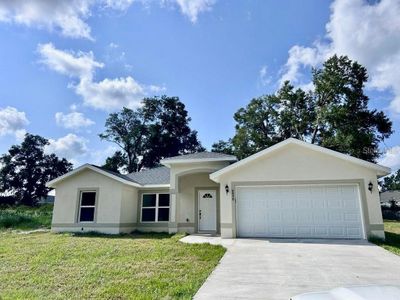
<point>303,211</point>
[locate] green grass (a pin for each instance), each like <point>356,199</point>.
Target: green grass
<point>24,217</point>
<point>137,266</point>
<point>392,233</point>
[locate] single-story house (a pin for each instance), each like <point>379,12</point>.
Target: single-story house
<point>290,190</point>
<point>387,198</point>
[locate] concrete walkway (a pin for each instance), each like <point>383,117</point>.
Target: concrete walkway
<point>278,269</point>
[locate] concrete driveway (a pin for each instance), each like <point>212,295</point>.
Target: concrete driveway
<point>279,269</point>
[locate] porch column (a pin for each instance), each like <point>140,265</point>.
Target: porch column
<point>172,224</point>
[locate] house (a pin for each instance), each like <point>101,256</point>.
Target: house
<point>49,199</point>
<point>387,198</point>
<point>290,190</point>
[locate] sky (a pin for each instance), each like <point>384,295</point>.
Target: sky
<point>66,64</point>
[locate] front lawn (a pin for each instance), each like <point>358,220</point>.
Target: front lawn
<point>392,233</point>
<point>25,217</point>
<point>136,266</point>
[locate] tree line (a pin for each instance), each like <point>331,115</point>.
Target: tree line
<point>333,114</point>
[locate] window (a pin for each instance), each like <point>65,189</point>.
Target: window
<point>155,207</point>
<point>87,205</point>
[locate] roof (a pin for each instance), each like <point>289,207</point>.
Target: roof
<point>389,196</point>
<point>381,170</point>
<point>199,157</point>
<point>147,178</point>
<point>158,175</point>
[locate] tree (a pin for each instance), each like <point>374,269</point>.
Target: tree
<point>334,115</point>
<point>391,182</point>
<point>26,169</point>
<point>116,162</point>
<point>223,147</point>
<point>158,129</point>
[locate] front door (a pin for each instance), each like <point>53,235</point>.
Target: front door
<point>207,214</point>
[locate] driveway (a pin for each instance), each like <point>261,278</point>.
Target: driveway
<point>278,269</point>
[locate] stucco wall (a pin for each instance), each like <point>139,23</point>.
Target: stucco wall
<point>188,185</point>
<point>115,204</point>
<point>298,164</point>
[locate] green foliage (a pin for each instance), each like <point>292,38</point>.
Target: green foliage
<point>392,237</point>
<point>26,169</point>
<point>391,182</point>
<point>334,115</point>
<point>223,147</point>
<point>136,266</point>
<point>158,129</point>
<point>25,217</point>
<point>115,162</point>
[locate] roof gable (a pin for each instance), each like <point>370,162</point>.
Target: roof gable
<point>381,170</point>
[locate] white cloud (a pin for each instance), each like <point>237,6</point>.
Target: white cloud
<point>366,32</point>
<point>79,65</point>
<point>69,16</point>
<point>66,16</point>
<point>192,8</point>
<point>263,76</point>
<point>70,147</point>
<point>391,158</point>
<point>108,94</point>
<point>73,120</point>
<point>13,122</point>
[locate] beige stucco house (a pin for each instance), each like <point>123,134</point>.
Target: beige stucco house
<point>292,190</point>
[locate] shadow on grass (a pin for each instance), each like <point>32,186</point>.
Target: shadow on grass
<point>133,235</point>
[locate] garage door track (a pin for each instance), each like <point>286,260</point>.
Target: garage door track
<point>279,269</point>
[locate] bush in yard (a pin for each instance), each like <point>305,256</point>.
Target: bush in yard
<point>24,217</point>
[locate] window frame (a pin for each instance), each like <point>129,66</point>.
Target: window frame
<point>80,206</point>
<point>156,207</point>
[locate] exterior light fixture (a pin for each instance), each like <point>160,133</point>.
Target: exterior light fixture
<point>370,186</point>
<point>226,189</point>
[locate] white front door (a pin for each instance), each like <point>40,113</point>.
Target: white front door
<point>207,213</point>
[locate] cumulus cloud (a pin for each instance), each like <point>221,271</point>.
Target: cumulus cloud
<point>66,16</point>
<point>79,65</point>
<point>69,16</point>
<point>192,8</point>
<point>391,158</point>
<point>364,31</point>
<point>73,120</point>
<point>107,94</point>
<point>70,147</point>
<point>13,122</point>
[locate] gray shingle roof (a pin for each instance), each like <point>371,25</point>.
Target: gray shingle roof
<point>389,196</point>
<point>202,155</point>
<point>158,175</point>
<point>115,174</point>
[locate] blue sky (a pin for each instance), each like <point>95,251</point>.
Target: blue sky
<point>66,64</point>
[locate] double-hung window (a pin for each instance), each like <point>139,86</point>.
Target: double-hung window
<point>87,206</point>
<point>155,207</point>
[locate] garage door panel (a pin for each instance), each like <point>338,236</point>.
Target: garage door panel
<point>309,211</point>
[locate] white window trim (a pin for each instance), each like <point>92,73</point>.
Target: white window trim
<point>87,206</point>
<point>154,207</point>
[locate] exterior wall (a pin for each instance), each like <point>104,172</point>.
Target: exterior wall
<point>114,200</point>
<point>178,172</point>
<point>296,164</point>
<point>187,195</point>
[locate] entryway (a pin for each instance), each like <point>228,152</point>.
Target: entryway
<point>207,210</point>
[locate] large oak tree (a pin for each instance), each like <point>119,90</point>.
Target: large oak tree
<point>26,169</point>
<point>335,114</point>
<point>158,129</point>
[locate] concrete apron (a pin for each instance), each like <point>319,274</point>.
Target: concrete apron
<point>279,269</point>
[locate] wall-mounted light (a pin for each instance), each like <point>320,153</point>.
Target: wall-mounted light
<point>226,189</point>
<point>370,186</point>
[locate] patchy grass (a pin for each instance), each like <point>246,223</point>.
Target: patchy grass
<point>25,217</point>
<point>392,233</point>
<point>136,266</point>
